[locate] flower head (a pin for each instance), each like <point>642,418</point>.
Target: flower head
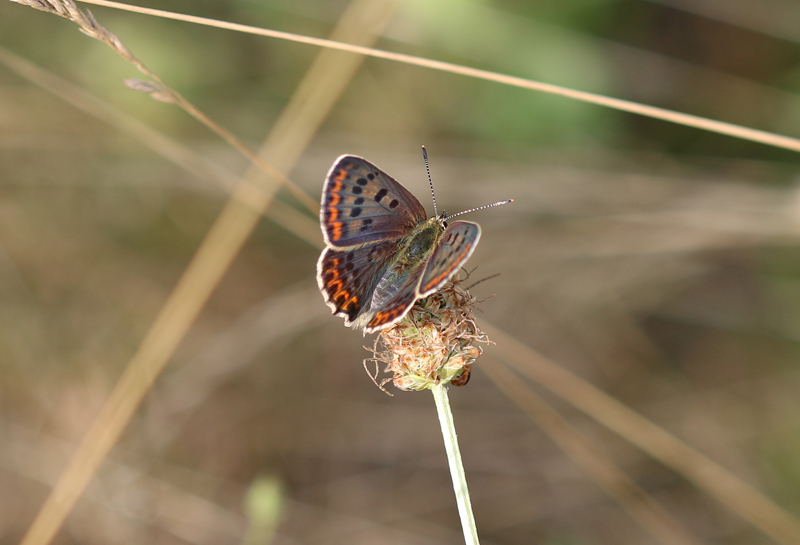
<point>434,343</point>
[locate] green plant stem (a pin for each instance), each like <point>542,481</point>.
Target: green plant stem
<point>456,466</point>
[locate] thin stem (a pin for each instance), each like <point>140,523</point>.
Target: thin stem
<point>721,127</point>
<point>456,466</point>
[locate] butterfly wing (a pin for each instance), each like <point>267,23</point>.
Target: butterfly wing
<point>395,308</point>
<point>347,278</point>
<point>361,204</point>
<point>457,244</point>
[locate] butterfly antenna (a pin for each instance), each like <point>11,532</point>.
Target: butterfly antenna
<point>430,181</point>
<point>499,203</point>
<point>481,280</point>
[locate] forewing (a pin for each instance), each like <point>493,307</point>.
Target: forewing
<point>347,278</point>
<point>456,245</point>
<point>362,204</point>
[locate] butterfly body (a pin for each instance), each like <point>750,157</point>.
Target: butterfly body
<point>383,253</point>
<point>414,249</point>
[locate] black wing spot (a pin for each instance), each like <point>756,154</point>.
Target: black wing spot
<point>381,194</point>
<point>362,181</point>
<point>349,257</point>
<point>371,176</point>
<point>356,190</point>
<point>359,201</point>
<point>366,224</point>
<point>394,203</point>
<point>349,267</point>
<point>354,212</point>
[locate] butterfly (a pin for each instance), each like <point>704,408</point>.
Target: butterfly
<point>382,251</point>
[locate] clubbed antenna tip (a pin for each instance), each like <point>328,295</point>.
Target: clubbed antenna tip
<point>430,181</point>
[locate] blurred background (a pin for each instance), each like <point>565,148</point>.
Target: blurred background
<point>658,262</point>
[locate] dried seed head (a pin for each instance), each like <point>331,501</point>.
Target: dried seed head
<point>155,90</point>
<point>434,343</point>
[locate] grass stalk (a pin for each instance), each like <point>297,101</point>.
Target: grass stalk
<point>163,92</point>
<point>456,465</point>
<point>688,120</point>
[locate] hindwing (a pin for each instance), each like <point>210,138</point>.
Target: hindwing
<point>347,278</point>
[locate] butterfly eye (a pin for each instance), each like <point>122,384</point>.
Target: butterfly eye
<point>444,223</point>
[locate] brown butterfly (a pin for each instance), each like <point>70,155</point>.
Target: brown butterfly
<point>383,252</point>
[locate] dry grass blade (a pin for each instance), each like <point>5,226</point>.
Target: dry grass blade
<point>161,91</point>
<point>277,317</point>
<point>184,304</point>
<point>170,501</point>
<point>688,120</point>
<point>293,221</point>
<point>644,509</point>
<point>179,154</point>
<point>728,489</point>
<point>220,247</point>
